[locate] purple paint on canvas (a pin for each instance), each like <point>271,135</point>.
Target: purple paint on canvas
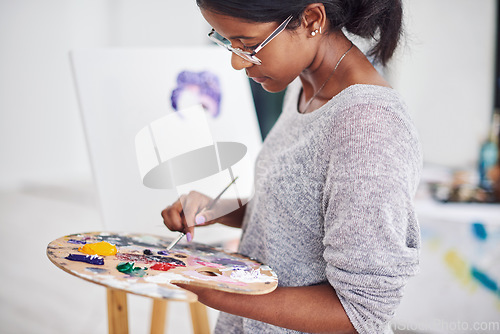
<point>91,259</point>
<point>205,85</point>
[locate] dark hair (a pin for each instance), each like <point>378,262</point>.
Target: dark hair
<point>377,19</point>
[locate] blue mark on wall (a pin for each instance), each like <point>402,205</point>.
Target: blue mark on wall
<point>484,280</point>
<point>479,230</point>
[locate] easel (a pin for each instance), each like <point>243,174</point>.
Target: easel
<point>118,314</point>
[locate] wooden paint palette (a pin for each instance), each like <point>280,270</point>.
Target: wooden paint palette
<point>154,269</point>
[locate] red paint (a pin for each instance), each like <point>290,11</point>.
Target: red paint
<point>162,266</point>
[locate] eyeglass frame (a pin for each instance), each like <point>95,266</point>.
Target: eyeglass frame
<point>246,55</point>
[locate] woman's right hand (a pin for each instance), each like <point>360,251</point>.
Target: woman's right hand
<point>187,212</point>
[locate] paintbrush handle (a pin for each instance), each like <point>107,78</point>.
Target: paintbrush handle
<point>216,199</point>
<point>173,243</point>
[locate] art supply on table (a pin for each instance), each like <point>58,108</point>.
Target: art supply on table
<point>488,157</point>
<point>209,206</point>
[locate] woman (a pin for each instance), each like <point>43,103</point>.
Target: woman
<point>332,212</point>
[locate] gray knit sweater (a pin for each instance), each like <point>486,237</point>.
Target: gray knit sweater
<point>333,203</point>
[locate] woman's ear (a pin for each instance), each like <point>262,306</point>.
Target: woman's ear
<point>314,19</point>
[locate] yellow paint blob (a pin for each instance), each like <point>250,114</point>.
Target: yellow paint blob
<point>101,248</point>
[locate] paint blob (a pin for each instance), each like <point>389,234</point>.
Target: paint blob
<point>142,265</point>
<point>210,264</point>
<point>101,248</point>
<point>129,269</point>
<point>165,278</point>
<point>162,266</point>
<point>148,259</point>
<point>91,259</point>
<point>251,276</point>
<point>74,241</point>
<point>227,261</point>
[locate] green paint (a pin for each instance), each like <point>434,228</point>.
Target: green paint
<point>129,269</point>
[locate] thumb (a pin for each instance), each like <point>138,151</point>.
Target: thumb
<point>200,219</point>
<point>189,231</point>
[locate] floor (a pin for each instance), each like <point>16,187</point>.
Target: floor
<point>36,296</point>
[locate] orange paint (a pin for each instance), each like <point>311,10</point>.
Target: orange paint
<point>102,248</point>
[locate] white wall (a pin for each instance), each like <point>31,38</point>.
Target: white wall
<point>41,137</point>
<point>446,74</point>
<point>40,132</point>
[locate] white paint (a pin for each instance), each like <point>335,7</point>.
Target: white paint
<point>251,276</point>
<point>157,291</point>
<point>166,278</point>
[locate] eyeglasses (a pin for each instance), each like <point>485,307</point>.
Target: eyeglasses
<point>248,56</point>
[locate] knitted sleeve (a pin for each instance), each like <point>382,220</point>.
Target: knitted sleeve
<point>371,232</point>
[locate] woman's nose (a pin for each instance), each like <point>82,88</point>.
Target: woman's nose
<point>239,63</point>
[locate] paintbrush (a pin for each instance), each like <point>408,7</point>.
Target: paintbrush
<point>208,207</point>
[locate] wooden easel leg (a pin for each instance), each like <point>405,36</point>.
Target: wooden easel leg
<point>199,318</point>
<point>117,312</point>
<point>158,317</point>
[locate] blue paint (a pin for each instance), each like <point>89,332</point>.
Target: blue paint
<point>74,241</point>
<point>97,270</point>
<point>479,230</point>
<point>91,259</point>
<point>484,279</point>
